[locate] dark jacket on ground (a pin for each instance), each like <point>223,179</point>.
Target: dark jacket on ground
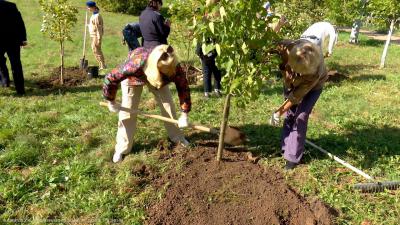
<point>12,27</point>
<point>154,30</point>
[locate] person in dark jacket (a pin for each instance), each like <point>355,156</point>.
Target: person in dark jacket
<point>209,67</point>
<point>155,29</point>
<point>13,37</point>
<point>131,33</point>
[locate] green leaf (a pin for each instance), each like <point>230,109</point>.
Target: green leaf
<point>244,48</point>
<point>229,65</point>
<point>222,12</point>
<point>194,43</point>
<point>211,25</point>
<point>194,21</point>
<point>208,48</point>
<point>203,48</point>
<point>218,48</point>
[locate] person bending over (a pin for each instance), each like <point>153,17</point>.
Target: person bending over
<point>155,69</point>
<point>318,33</point>
<point>304,74</point>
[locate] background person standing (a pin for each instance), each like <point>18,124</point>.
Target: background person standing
<point>12,38</point>
<point>209,67</point>
<point>155,29</point>
<point>96,31</point>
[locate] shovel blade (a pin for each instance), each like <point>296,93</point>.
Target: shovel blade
<point>83,64</point>
<point>234,136</point>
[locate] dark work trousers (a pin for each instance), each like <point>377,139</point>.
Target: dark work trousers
<point>295,126</point>
<point>14,54</point>
<point>209,68</point>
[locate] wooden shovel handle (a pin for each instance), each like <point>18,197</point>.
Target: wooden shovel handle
<point>165,119</point>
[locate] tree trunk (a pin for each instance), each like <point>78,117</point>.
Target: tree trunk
<point>224,123</point>
<point>62,62</point>
<point>383,58</point>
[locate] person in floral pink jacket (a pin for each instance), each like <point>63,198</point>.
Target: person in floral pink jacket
<point>156,69</point>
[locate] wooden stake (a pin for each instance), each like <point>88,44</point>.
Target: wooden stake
<point>224,123</point>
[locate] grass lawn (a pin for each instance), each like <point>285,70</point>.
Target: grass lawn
<point>56,145</point>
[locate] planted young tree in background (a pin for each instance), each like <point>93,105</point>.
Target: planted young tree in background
<point>242,40</point>
<point>181,13</point>
<point>133,7</point>
<point>387,12</point>
<point>58,20</point>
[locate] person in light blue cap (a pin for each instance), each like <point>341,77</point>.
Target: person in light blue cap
<point>267,7</point>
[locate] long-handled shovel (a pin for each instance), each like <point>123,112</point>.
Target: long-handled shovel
<point>233,136</point>
<point>83,64</point>
<point>373,186</point>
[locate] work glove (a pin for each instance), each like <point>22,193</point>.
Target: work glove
<point>275,118</point>
<point>183,120</point>
<point>113,106</point>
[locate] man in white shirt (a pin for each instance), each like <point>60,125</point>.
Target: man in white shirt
<point>318,33</point>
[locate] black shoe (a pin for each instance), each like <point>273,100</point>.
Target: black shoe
<point>21,93</point>
<point>290,165</point>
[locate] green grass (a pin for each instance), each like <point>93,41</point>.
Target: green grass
<point>56,145</point>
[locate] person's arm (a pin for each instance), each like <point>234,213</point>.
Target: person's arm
<point>161,27</point>
<point>98,23</point>
<point>20,26</point>
<point>282,21</point>
<point>332,40</point>
<point>136,29</point>
<point>182,86</point>
<point>284,107</point>
<point>199,51</point>
<point>298,93</point>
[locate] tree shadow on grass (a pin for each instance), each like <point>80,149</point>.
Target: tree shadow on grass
<point>348,69</point>
<point>371,43</point>
<point>150,145</point>
<point>339,73</point>
<point>366,144</point>
<point>263,139</point>
<point>368,77</point>
<point>32,89</point>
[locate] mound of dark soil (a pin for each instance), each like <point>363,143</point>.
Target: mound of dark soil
<point>336,77</point>
<point>73,76</point>
<point>192,74</point>
<point>234,191</point>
